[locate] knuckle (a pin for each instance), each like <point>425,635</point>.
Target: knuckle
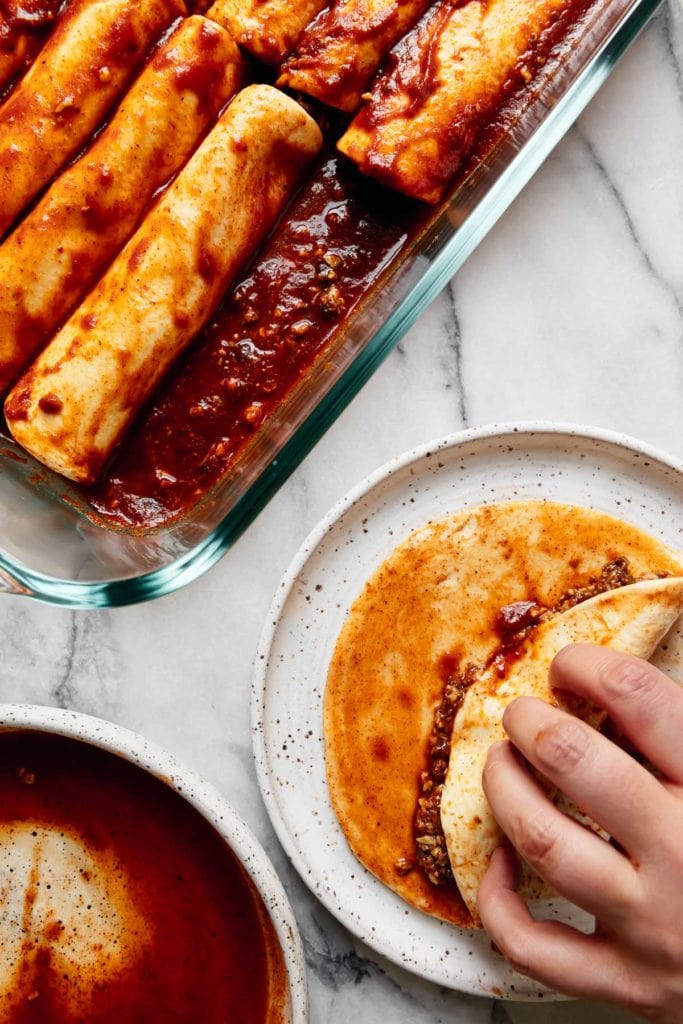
<point>487,777</point>
<point>669,944</point>
<point>650,1004</point>
<point>637,997</point>
<point>493,767</point>
<point>667,1005</point>
<point>628,679</point>
<point>517,952</point>
<point>563,745</point>
<point>520,965</point>
<point>536,839</point>
<point>670,850</point>
<point>632,988</point>
<point>629,898</point>
<point>654,995</point>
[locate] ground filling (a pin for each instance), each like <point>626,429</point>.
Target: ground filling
<point>513,624</point>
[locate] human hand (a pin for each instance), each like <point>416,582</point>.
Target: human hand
<point>635,956</point>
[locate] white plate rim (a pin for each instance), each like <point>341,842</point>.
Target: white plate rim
<point>452,440</point>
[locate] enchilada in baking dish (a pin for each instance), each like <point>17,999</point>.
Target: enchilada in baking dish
<point>443,82</point>
<point>66,242</point>
<point>23,27</point>
<point>85,66</point>
<point>137,192</point>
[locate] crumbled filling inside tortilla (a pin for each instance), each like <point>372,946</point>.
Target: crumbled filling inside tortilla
<point>430,844</point>
<point>614,575</point>
<point>514,622</point>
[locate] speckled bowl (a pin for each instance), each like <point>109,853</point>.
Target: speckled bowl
<point>205,799</point>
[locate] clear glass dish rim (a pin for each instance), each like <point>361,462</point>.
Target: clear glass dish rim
<point>17,579</point>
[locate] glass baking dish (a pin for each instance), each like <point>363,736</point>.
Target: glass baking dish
<point>51,550</point>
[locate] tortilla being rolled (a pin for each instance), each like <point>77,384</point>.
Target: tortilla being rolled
<point>82,69</point>
<point>73,405</point>
<point>427,613</point>
<point>442,84</point>
<point>339,52</point>
<point>62,247</point>
<point>268,29</point>
<point>632,619</point>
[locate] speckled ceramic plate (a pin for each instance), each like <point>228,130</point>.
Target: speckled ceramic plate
<point>205,799</point>
<point>607,471</point>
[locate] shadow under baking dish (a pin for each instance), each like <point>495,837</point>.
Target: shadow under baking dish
<point>54,548</point>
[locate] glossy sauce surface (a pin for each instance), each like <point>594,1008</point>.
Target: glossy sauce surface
<point>422,120</point>
<point>28,16</point>
<point>325,257</point>
<point>326,254</point>
<point>131,907</point>
<point>24,26</point>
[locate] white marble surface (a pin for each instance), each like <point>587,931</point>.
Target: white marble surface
<point>571,309</point>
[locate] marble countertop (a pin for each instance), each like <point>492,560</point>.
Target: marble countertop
<point>571,309</point>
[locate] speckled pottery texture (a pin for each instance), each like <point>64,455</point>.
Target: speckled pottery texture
<point>205,799</point>
<point>603,470</point>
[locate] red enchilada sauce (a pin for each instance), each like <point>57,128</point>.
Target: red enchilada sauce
<point>200,943</point>
<point>24,27</point>
<point>325,256</point>
<point>34,16</point>
<point>413,73</point>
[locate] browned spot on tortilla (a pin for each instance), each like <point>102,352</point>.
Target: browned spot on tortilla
<point>51,403</point>
<point>139,250</point>
<point>380,749</point>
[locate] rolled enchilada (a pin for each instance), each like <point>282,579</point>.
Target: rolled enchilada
<point>342,48</point>
<point>443,83</point>
<point>66,242</point>
<point>73,405</point>
<point>268,29</point>
<point>82,69</point>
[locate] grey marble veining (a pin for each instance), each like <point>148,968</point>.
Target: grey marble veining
<point>572,308</point>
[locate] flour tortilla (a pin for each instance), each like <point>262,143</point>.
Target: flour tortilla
<point>632,619</point>
<point>438,593</point>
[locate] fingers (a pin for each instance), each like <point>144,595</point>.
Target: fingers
<point>602,780</point>
<point>645,704</point>
<point>576,862</point>
<point>552,953</point>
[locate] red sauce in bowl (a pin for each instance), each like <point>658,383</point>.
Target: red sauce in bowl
<point>208,952</point>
